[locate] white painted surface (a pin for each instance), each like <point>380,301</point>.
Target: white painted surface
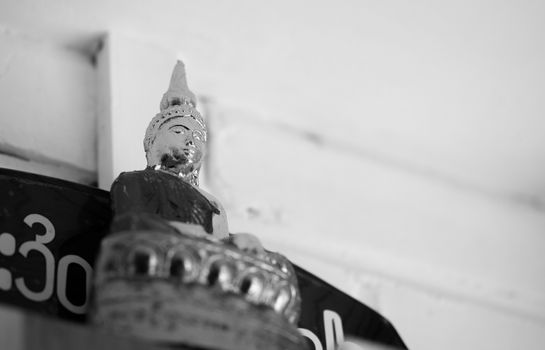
<point>47,102</point>
<point>353,211</point>
<point>431,320</point>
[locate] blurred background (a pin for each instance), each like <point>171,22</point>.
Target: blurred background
<point>395,149</point>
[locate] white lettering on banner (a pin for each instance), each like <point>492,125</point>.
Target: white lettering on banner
<point>333,326</point>
<point>39,245</point>
<point>313,338</point>
<point>333,330</point>
<point>62,273</point>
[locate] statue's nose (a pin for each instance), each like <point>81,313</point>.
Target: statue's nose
<point>189,141</point>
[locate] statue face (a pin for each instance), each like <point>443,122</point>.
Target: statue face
<point>178,146</point>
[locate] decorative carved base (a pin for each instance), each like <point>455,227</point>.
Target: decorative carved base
<point>193,315</point>
<point>180,289</point>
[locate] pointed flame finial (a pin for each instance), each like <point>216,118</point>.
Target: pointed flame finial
<point>178,92</point>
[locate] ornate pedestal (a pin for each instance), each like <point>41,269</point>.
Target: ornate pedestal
<point>180,289</point>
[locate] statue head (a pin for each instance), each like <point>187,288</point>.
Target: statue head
<point>175,139</point>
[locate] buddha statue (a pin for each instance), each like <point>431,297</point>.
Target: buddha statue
<point>170,271</point>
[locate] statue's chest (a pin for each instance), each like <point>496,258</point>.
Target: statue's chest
<point>162,195</point>
<point>175,198</point>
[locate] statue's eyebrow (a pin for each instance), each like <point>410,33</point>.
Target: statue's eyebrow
<point>168,119</point>
<point>183,126</point>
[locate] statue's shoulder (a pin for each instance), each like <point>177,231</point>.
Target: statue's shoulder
<point>135,173</point>
<point>132,176</point>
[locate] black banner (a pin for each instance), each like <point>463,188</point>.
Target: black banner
<point>50,231</point>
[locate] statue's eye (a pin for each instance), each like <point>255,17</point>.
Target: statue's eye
<point>178,130</point>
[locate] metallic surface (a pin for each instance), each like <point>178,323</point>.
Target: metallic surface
<point>260,279</point>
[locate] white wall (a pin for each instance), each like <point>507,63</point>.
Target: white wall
<point>47,121</point>
<point>440,262</point>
